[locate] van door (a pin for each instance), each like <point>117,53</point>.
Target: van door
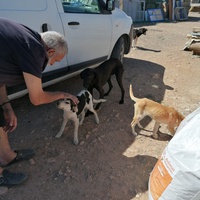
<point>36,14</point>
<point>88,31</point>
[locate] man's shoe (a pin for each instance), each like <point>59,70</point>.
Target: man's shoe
<point>23,154</point>
<point>10,179</point>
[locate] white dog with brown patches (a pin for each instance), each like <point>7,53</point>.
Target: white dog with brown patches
<point>72,111</point>
<point>158,112</point>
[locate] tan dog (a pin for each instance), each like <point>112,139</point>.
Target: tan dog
<point>158,112</point>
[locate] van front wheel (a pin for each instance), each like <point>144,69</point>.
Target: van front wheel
<point>118,51</point>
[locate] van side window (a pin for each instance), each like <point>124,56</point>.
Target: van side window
<point>81,6</point>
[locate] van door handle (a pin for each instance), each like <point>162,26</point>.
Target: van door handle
<point>73,23</point>
<point>44,27</point>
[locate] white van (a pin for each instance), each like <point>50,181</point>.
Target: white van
<point>95,31</point>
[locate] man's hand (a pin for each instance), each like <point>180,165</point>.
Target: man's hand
<point>9,115</point>
<point>72,97</point>
<point>11,120</point>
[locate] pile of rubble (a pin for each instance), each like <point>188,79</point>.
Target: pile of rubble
<point>193,43</point>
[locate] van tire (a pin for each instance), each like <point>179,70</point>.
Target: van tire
<point>119,48</point>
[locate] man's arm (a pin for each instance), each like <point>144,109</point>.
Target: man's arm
<point>3,94</point>
<point>9,115</point>
<point>38,96</point>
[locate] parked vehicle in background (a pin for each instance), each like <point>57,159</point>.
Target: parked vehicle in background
<point>94,29</point>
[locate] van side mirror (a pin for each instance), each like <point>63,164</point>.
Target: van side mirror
<point>110,5</point>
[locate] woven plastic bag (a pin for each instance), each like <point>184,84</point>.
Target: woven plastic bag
<point>176,175</point>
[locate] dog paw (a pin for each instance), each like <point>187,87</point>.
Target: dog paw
<point>134,133</point>
<point>155,136</point>
<point>121,102</point>
<point>58,135</point>
<point>76,142</point>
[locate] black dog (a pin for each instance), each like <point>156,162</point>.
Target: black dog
<point>137,33</point>
<point>99,76</point>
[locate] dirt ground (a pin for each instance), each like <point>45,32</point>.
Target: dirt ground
<point>109,163</point>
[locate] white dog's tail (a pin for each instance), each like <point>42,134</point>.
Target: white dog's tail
<point>131,94</point>
<point>98,100</point>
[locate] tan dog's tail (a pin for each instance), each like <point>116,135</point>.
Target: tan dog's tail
<point>98,100</point>
<point>131,94</point>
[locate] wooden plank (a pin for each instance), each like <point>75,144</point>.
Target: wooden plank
<point>170,10</point>
<point>121,6</point>
<point>196,29</point>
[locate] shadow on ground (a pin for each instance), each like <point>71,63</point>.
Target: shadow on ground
<point>97,169</point>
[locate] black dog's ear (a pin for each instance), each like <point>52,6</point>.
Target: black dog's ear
<point>85,73</point>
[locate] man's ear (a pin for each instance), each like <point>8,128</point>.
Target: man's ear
<point>50,52</point>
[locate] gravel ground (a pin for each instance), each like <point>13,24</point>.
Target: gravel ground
<point>109,163</point>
